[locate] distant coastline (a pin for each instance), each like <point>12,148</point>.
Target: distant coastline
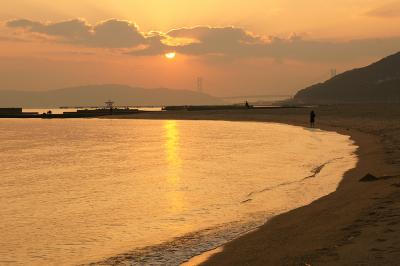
<point>93,112</point>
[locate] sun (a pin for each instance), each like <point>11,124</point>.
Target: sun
<point>170,55</point>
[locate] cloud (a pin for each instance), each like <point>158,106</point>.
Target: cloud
<point>215,35</point>
<point>233,42</point>
<point>200,40</point>
<point>117,33</point>
<point>219,40</point>
<point>391,10</point>
<point>227,43</point>
<point>326,50</point>
<point>223,43</point>
<point>107,34</point>
<point>154,46</point>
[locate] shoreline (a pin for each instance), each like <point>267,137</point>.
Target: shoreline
<point>218,256</point>
<point>205,257</point>
<point>356,224</point>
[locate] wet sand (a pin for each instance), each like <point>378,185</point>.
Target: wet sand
<point>359,224</point>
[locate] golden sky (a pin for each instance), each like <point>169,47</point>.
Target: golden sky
<point>238,47</point>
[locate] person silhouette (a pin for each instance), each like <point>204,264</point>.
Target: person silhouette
<point>312,119</point>
<point>247,105</point>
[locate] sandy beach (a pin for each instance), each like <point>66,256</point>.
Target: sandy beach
<point>356,225</point>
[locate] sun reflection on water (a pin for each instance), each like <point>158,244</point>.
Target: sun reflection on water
<point>172,146</point>
<point>174,162</point>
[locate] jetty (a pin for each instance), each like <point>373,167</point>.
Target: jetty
<point>80,113</point>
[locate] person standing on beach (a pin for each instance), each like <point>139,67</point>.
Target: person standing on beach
<point>312,118</point>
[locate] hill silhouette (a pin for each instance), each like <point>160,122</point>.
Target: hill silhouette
<point>378,82</point>
<point>96,95</point>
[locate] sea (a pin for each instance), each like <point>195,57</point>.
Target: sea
<point>152,192</point>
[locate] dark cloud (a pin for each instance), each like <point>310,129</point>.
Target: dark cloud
<point>73,30</point>
<point>233,42</point>
<point>117,33</point>
<point>153,46</point>
<point>22,23</point>
<point>223,43</point>
<point>219,41</point>
<point>227,43</point>
<point>215,35</point>
<point>109,34</point>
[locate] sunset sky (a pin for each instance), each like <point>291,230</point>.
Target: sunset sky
<point>238,47</point>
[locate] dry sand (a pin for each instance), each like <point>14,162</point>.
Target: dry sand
<point>359,224</point>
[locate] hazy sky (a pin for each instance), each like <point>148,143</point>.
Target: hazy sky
<point>238,47</point>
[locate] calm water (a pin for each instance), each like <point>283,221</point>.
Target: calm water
<point>80,191</point>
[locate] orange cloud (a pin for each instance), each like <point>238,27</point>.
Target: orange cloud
<point>391,10</point>
<point>226,43</point>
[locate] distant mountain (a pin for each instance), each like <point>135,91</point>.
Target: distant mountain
<point>96,95</point>
<point>378,82</point>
